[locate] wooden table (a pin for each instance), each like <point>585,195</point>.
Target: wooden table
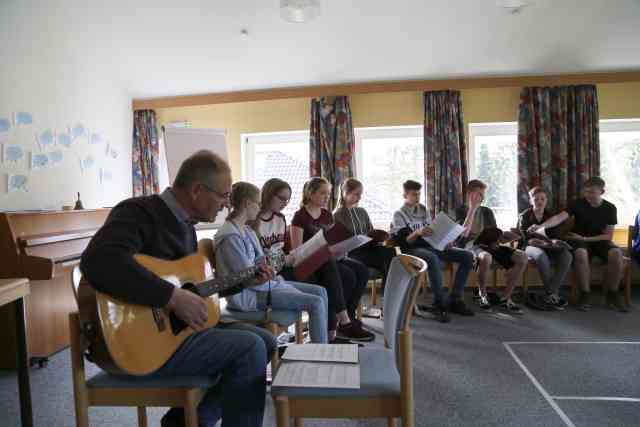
<point>14,290</point>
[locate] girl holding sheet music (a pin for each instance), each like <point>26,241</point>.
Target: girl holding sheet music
<point>356,220</point>
<point>345,279</point>
<point>271,227</point>
<point>237,248</point>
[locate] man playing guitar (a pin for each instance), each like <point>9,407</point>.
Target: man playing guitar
<point>162,226</point>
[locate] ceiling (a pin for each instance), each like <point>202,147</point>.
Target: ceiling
<point>162,47</point>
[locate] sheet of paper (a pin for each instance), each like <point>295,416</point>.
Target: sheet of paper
<point>445,231</point>
<point>308,248</point>
<point>346,353</point>
<point>325,375</point>
<point>341,249</point>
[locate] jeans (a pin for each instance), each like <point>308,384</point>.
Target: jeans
<point>238,353</point>
<point>305,297</point>
<point>434,259</point>
<point>552,279</point>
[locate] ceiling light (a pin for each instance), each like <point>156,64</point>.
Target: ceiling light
<point>299,10</point>
<point>513,6</point>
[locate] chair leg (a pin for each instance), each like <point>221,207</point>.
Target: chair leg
<point>374,293</point>
<point>359,310</point>
<point>191,410</point>
<point>282,411</point>
<point>391,422</point>
<point>298,422</point>
<point>82,414</point>
<point>275,358</point>
<point>299,332</point>
<point>142,416</point>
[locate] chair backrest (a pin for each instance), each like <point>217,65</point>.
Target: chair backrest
<point>405,276</point>
<point>208,250</point>
<point>76,276</point>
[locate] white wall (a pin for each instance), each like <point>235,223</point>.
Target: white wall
<point>63,78</point>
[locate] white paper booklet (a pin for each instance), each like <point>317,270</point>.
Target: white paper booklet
<point>340,250</point>
<point>445,231</point>
<point>346,353</point>
<point>313,374</point>
<point>308,248</point>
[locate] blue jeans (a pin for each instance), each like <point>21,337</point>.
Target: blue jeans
<point>305,297</point>
<point>434,260</point>
<point>238,353</point>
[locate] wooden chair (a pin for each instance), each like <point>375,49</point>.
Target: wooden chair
<point>279,321</point>
<point>104,389</point>
<point>386,374</point>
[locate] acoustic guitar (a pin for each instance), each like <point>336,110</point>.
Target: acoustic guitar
<point>132,339</point>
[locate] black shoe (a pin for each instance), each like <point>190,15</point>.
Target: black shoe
<point>510,306</point>
<point>338,340</point>
<point>353,331</point>
<point>555,302</point>
<point>458,306</point>
<point>614,301</point>
<point>174,417</point>
<point>441,314</point>
<point>584,301</point>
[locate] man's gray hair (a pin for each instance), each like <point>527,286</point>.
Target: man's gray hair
<point>200,167</point>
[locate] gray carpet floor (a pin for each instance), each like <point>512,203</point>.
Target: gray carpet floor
<point>464,375</point>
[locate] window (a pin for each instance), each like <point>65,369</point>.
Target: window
<point>620,166</point>
<point>386,157</point>
<point>283,155</point>
<point>493,155</point>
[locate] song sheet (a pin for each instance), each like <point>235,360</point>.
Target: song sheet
<point>445,231</point>
<point>346,353</point>
<point>314,374</point>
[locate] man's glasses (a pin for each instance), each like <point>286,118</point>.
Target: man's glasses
<point>224,196</point>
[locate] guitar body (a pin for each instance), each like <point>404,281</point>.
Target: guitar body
<point>135,339</point>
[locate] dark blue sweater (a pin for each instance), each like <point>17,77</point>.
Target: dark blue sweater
<point>143,225</point>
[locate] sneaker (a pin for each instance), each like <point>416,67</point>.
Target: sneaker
<point>511,306</point>
<point>353,331</point>
<point>614,301</point>
<point>555,301</point>
<point>338,340</point>
<point>584,301</point>
<point>458,306</point>
<point>484,303</point>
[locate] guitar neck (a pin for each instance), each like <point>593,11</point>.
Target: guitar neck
<point>219,284</point>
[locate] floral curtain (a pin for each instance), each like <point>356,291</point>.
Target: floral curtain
<point>145,153</point>
<point>331,144</point>
<point>445,151</point>
<point>558,142</point>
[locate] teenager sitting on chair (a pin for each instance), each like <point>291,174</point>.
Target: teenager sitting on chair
<point>475,218</point>
<point>237,248</point>
<point>162,226</point>
<point>552,258</point>
<point>592,235</point>
<point>345,279</point>
<point>410,225</point>
<point>356,220</point>
<point>635,247</point>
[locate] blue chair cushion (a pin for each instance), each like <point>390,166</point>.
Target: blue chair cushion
<point>106,380</point>
<point>281,317</point>
<point>379,377</point>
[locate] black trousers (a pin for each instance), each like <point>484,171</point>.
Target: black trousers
<point>345,282</point>
<point>375,256</point>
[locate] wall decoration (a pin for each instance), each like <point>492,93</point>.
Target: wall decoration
<point>17,183</point>
<point>64,139</point>
<point>5,125</point>
<point>55,157</point>
<point>45,139</point>
<point>13,153</point>
<point>111,152</point>
<point>22,118</point>
<point>95,138</point>
<point>87,162</point>
<point>39,161</point>
<point>78,131</point>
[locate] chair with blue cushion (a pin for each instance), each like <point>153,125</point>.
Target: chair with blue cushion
<point>275,322</point>
<point>104,389</point>
<point>386,374</point>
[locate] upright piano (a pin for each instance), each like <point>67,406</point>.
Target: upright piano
<point>44,247</point>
